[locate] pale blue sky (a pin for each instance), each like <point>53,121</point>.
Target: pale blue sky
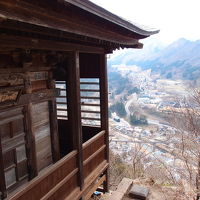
<point>174,18</point>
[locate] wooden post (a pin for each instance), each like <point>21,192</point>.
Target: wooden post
<point>54,131</point>
<point>53,122</point>
<point>104,110</point>
<point>3,193</point>
<point>30,138</point>
<point>74,109</point>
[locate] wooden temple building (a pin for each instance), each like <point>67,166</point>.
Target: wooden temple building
<point>54,96</point>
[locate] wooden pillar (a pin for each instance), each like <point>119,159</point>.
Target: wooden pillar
<point>3,192</point>
<point>30,137</point>
<point>74,109</point>
<point>104,109</point>
<point>53,122</point>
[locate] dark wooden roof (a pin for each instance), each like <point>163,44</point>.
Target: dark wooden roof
<point>77,21</point>
<point>103,13</point>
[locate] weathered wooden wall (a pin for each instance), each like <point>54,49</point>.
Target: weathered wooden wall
<point>13,145</point>
<point>41,130</point>
<point>26,134</point>
<point>27,86</point>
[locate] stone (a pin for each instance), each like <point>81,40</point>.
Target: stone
<point>139,192</point>
<point>122,189</point>
<point>124,185</point>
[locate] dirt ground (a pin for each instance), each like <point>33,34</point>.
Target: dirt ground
<point>156,192</point>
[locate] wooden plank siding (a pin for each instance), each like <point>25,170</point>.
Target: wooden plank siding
<point>42,134</point>
<point>58,180</point>
<point>93,153</point>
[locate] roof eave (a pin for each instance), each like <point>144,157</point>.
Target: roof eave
<point>103,13</point>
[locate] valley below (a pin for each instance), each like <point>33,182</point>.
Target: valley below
<point>154,138</point>
<point>154,115</point>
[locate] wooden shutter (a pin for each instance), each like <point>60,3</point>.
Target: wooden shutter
<point>13,144</point>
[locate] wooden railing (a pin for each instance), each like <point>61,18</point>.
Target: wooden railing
<point>60,181</point>
<point>57,182</point>
<point>94,151</point>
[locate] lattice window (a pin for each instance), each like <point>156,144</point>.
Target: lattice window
<point>90,101</point>
<point>61,101</point>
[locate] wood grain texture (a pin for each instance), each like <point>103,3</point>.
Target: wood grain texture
<point>68,19</point>
<point>30,138</point>
<point>53,121</point>
<point>38,96</point>
<point>56,182</point>
<point>41,131</point>
<point>104,110</point>
<point>74,109</point>
<point>2,175</point>
<point>41,44</point>
<point>13,148</point>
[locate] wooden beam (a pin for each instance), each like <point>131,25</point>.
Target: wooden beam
<point>93,139</point>
<point>3,193</point>
<point>30,137</point>
<point>53,122</point>
<point>31,43</point>
<point>22,70</point>
<point>38,96</point>
<point>104,109</point>
<point>67,19</point>
<point>30,145</point>
<point>74,109</point>
<point>48,32</point>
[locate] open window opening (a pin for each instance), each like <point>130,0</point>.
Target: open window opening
<point>61,101</point>
<point>89,99</point>
<point>90,107</point>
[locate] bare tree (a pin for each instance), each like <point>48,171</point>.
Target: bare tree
<point>187,150</point>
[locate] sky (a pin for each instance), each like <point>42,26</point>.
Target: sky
<point>174,18</point>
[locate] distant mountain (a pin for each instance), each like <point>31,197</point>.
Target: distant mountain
<point>180,59</point>
<point>151,47</point>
